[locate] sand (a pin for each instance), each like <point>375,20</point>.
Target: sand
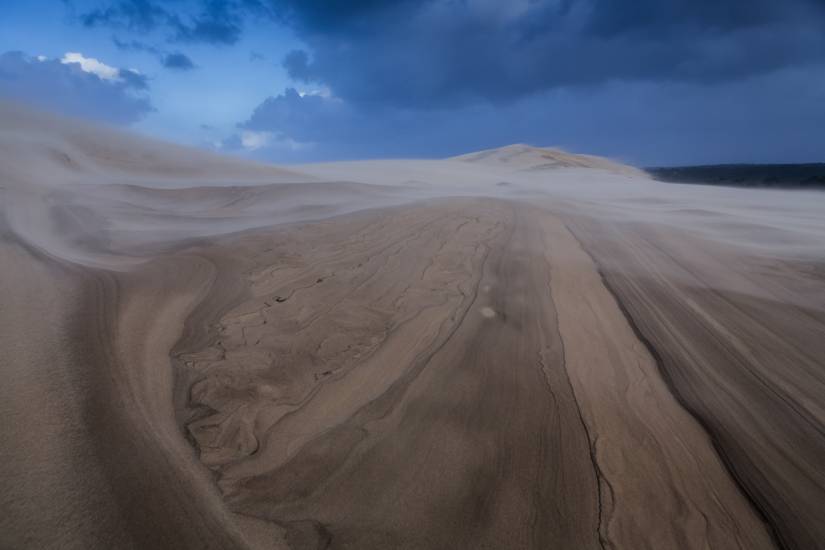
<point>517,348</point>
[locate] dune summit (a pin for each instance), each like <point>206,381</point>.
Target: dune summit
<point>517,348</point>
<point>525,157</point>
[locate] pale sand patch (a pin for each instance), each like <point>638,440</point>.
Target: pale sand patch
<point>488,312</point>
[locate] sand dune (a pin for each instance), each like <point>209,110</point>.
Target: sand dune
<point>526,157</point>
<point>518,348</point>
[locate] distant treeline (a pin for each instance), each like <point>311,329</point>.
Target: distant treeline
<point>785,176</point>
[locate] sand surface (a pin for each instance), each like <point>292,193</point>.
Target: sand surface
<point>517,348</point>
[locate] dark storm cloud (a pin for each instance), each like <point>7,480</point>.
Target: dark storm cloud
<point>217,23</point>
<point>320,127</point>
<point>133,79</point>
<point>138,15</point>
<point>134,46</point>
<point>309,118</point>
<point>213,21</point>
<point>774,117</point>
<point>436,52</point>
<point>610,17</point>
<point>333,15</point>
<point>445,52</point>
<point>67,88</point>
<point>296,63</point>
<point>177,61</point>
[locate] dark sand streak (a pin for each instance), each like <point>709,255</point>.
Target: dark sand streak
<point>730,466</point>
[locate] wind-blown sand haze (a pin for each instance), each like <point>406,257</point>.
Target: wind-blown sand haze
<point>517,348</point>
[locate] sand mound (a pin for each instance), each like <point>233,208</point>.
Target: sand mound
<point>527,157</point>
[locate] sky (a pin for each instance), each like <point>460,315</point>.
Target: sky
<point>649,82</point>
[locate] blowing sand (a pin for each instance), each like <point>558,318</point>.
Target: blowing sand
<point>518,348</point>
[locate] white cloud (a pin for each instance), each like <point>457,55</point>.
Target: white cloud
<point>322,92</point>
<point>91,65</point>
<point>255,140</point>
<point>65,86</point>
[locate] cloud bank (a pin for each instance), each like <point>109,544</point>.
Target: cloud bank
<point>428,53</point>
<point>432,53</point>
<point>212,21</point>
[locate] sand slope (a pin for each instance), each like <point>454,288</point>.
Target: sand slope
<point>519,348</point>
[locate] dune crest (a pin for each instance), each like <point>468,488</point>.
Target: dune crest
<point>526,157</point>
